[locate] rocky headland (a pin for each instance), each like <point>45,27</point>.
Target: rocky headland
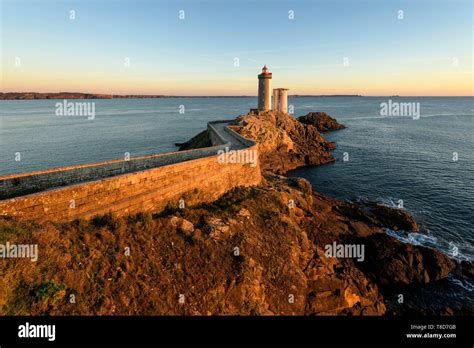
<point>259,250</point>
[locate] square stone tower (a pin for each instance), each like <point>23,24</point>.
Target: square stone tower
<point>280,100</point>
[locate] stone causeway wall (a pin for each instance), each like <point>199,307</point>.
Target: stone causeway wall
<point>141,184</point>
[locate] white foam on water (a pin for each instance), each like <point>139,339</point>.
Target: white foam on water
<point>429,241</point>
<point>388,201</point>
<point>413,238</point>
<point>464,283</point>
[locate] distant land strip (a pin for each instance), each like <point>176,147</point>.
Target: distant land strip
<point>74,95</point>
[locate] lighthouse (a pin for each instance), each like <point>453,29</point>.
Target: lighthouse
<point>264,89</point>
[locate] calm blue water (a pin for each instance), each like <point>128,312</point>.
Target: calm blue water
<point>390,158</point>
<point>399,158</point>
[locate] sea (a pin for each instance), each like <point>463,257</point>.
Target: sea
<point>423,163</point>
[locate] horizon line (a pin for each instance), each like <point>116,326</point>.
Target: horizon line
<point>157,96</point>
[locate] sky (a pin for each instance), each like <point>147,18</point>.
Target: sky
<point>366,47</point>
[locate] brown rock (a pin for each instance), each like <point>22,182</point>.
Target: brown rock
<point>187,227</point>
<point>217,228</point>
<point>361,229</point>
<point>467,269</point>
<point>183,225</point>
<point>284,142</point>
<point>391,262</point>
<point>322,121</point>
<point>244,213</point>
<point>395,219</point>
<point>335,288</point>
<point>198,141</point>
<point>302,184</point>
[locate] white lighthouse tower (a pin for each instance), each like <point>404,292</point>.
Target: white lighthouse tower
<point>264,90</point>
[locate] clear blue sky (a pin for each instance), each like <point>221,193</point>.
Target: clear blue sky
<point>386,55</point>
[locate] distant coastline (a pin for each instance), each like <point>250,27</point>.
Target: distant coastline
<point>74,95</point>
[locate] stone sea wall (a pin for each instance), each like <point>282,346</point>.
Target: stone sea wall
<point>21,184</point>
<point>147,183</point>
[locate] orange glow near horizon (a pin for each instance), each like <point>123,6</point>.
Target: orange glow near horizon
<point>408,82</point>
<point>459,84</point>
